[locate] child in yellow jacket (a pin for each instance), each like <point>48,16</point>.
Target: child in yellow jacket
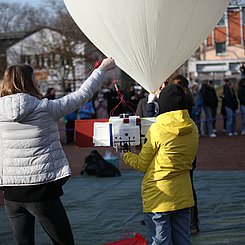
<point>166,160</point>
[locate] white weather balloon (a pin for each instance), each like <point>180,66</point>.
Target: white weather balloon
<point>149,39</point>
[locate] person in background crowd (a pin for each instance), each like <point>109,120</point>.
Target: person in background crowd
<point>70,126</point>
<point>133,102</point>
<point>207,108</point>
<point>87,111</point>
<point>166,160</point>
<point>242,70</point>
<point>141,107</point>
<point>213,102</point>
<point>68,89</point>
<point>34,167</point>
<point>127,94</point>
<point>70,122</point>
<point>197,108</point>
<point>231,105</point>
<point>184,84</point>
<point>152,107</point>
<point>101,106</point>
<point>110,94</point>
<point>223,111</point>
<point>241,97</point>
<point>50,94</point>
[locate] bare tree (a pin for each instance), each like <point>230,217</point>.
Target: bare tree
<point>59,59</point>
<point>70,51</point>
<point>33,18</point>
<point>8,16</point>
<point>18,17</point>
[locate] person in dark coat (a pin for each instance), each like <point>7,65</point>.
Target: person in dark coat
<point>231,105</point>
<point>241,97</point>
<point>242,70</point>
<point>50,94</point>
<point>223,111</point>
<point>197,109</point>
<point>208,103</point>
<point>184,83</point>
<point>213,101</point>
<point>141,107</point>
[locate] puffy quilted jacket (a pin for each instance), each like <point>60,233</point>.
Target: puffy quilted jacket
<point>30,148</point>
<point>166,160</point>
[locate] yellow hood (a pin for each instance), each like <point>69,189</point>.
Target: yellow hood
<point>176,122</point>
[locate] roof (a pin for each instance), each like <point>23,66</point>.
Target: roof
<point>13,35</point>
<point>22,34</point>
<point>8,39</point>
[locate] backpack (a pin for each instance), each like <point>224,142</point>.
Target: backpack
<point>95,164</point>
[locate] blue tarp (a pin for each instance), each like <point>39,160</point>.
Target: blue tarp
<point>103,210</point>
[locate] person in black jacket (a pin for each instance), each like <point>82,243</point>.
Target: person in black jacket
<point>241,97</point>
<point>242,70</point>
<point>209,102</point>
<point>184,83</point>
<point>213,101</point>
<point>223,111</point>
<point>231,105</point>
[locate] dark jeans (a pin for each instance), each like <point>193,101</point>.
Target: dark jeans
<point>194,209</point>
<point>214,116</point>
<point>50,214</point>
<point>70,132</point>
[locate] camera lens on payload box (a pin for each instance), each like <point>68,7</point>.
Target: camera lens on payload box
<point>125,147</point>
<point>124,115</point>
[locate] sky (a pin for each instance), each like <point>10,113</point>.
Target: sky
<point>32,2</point>
<point>37,2</point>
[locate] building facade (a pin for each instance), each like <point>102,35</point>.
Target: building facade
<point>222,53</point>
<point>56,62</point>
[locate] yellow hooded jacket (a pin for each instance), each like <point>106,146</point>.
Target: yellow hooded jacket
<point>166,160</point>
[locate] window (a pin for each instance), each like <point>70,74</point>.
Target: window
<point>234,2</point>
<point>220,48</point>
<point>243,16</point>
<point>222,21</point>
<point>23,59</point>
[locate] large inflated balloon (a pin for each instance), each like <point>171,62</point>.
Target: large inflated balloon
<point>149,39</point>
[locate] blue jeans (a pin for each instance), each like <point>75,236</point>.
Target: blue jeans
<point>208,120</point>
<point>168,228</point>
<point>242,108</point>
<point>231,120</point>
<point>197,119</point>
<point>50,214</point>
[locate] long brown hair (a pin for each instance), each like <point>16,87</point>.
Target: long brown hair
<point>19,79</point>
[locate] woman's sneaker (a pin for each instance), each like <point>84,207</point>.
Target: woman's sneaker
<point>213,135</point>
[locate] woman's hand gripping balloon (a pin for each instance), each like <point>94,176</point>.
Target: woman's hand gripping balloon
<point>107,64</point>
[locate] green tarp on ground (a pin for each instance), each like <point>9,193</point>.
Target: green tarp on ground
<point>102,210</point>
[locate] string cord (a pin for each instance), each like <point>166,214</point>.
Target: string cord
<point>122,101</point>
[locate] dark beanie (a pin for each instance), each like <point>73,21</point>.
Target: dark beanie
<point>172,98</point>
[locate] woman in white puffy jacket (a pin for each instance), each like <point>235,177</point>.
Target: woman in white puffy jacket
<point>33,165</point>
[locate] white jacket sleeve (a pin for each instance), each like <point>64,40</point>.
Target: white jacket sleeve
<point>58,108</point>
